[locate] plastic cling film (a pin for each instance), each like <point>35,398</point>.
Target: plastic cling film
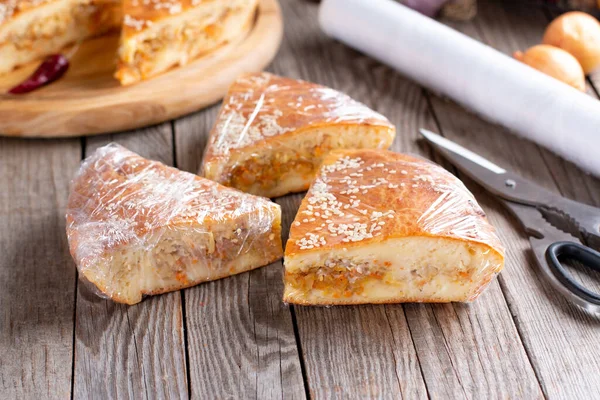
<point>272,133</point>
<point>378,226</point>
<point>137,227</point>
<point>493,85</point>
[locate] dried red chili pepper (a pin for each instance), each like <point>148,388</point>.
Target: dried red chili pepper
<point>51,69</point>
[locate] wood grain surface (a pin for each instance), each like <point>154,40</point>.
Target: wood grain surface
<point>37,275</point>
<point>131,351</point>
<point>89,100</point>
<point>234,338</point>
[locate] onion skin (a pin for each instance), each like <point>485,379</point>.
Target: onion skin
<point>579,34</point>
<point>426,7</point>
<point>554,62</point>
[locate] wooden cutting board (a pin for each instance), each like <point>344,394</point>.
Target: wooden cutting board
<point>88,100</point>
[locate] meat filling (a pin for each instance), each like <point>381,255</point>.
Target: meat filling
<point>175,257</point>
<point>338,278</point>
<point>187,36</point>
<point>265,174</point>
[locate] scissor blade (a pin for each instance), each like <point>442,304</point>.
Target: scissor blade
<point>442,142</point>
<point>579,219</point>
<point>493,178</point>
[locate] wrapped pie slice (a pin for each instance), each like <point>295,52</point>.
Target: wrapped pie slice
<point>383,227</point>
<point>272,133</point>
<point>138,227</point>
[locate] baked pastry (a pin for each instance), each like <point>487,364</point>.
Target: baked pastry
<point>33,29</point>
<point>383,227</point>
<point>272,133</point>
<point>159,34</point>
<point>137,227</point>
<point>155,34</point>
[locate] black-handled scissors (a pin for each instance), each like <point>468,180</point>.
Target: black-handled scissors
<point>546,217</point>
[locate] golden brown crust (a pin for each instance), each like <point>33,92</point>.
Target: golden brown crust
<point>10,9</point>
<point>121,203</point>
<point>263,106</point>
<point>108,11</point>
<point>143,14</point>
<point>160,34</point>
<point>139,12</point>
<point>304,301</point>
<point>142,195</point>
<point>367,196</point>
<point>30,30</point>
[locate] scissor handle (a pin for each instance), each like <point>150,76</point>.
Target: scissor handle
<point>578,252</point>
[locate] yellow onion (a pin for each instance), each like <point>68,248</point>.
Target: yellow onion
<point>554,62</point>
<point>579,34</point>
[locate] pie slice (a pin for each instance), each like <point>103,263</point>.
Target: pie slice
<point>382,227</point>
<point>33,29</point>
<point>137,227</point>
<point>272,133</point>
<point>159,34</point>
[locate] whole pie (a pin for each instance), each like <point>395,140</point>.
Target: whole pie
<point>158,34</point>
<point>33,29</point>
<point>383,227</point>
<point>155,34</point>
<point>138,227</point>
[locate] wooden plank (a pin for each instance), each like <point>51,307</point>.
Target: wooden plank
<point>238,326</point>
<point>131,351</point>
<point>37,275</point>
<point>391,351</point>
<point>553,331</point>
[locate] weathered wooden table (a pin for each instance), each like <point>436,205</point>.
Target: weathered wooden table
<point>234,338</point>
